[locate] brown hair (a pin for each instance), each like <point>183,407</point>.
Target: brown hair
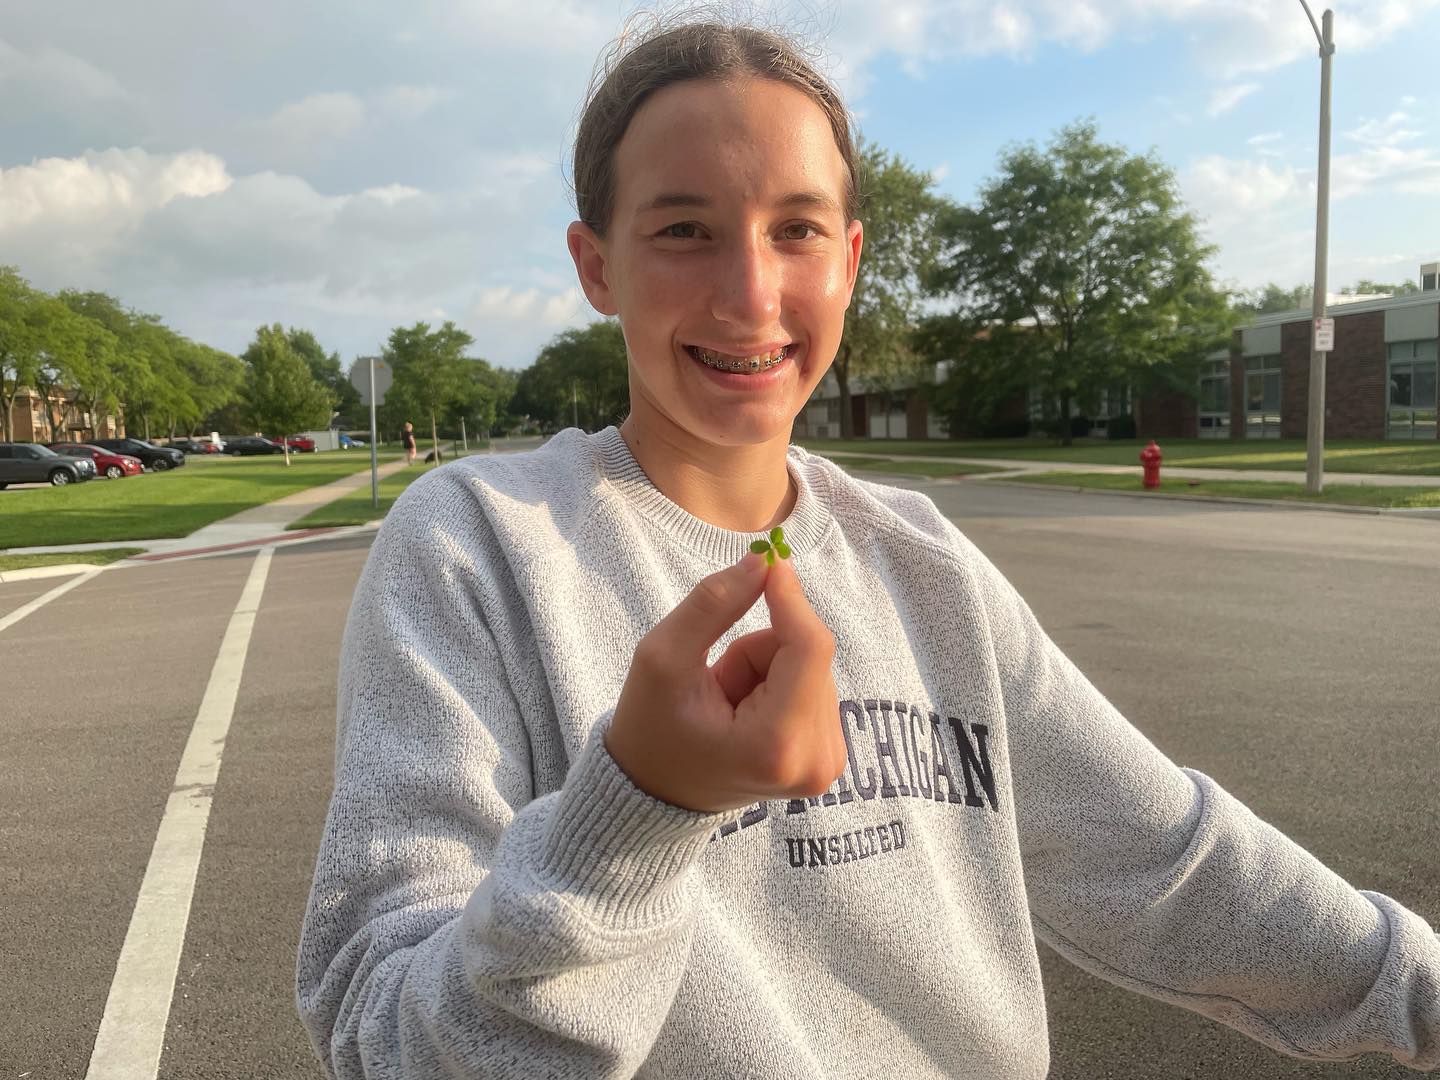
<point>663,56</point>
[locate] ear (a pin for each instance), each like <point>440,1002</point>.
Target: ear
<point>854,241</point>
<point>588,251</point>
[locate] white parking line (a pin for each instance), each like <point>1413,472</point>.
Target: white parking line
<point>132,1031</point>
<point>43,599</point>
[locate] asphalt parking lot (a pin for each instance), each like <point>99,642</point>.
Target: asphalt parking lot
<point>1288,654</point>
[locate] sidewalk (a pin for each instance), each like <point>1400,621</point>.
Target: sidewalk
<point>1014,467</point>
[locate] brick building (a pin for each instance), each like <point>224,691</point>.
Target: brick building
<point>877,413</point>
<point>30,420</point>
<point>1380,383</point>
<point>1380,379</point>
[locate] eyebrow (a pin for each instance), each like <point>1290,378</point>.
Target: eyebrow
<point>816,200</point>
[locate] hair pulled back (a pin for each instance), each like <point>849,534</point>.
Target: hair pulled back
<point>641,63</point>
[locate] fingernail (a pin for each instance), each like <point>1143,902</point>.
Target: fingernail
<point>752,563</point>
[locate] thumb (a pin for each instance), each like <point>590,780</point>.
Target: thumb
<point>790,611</point>
<point>713,606</point>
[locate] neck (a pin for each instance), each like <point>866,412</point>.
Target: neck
<point>740,488</point>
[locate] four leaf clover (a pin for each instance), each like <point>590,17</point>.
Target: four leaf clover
<point>774,546</point>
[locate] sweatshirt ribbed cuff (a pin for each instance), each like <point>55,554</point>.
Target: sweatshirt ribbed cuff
<point>619,851</point>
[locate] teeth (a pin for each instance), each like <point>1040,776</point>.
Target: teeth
<point>741,364</point>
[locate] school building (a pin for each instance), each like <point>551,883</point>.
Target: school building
<point>1380,378</point>
<point>1380,383</point>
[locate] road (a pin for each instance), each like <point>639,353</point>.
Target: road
<point>1289,654</point>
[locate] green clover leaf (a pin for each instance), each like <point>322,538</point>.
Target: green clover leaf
<point>774,546</point>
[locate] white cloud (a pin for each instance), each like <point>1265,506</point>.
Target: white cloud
<point>550,310</point>
<point>1228,189</point>
<point>109,191</point>
<point>1225,98</point>
<point>1230,37</point>
<point>410,102</point>
<point>303,128</point>
<point>59,72</point>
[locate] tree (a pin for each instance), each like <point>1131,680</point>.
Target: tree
<point>1085,270</point>
<point>281,394</point>
<point>899,212</point>
<point>20,340</point>
<point>328,372</point>
<point>1271,298</point>
<point>430,376</point>
<point>581,377</point>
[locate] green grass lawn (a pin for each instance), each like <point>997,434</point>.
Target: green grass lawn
<point>355,508</point>
<point>62,558</point>
<point>1345,494</point>
<point>156,505</point>
<point>913,468</point>
<point>1409,459</point>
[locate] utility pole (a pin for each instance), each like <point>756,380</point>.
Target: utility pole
<point>1315,428</point>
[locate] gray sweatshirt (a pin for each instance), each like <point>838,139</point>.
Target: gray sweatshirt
<point>494,898</point>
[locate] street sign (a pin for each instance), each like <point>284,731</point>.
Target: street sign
<point>1324,335</point>
<point>360,379</point>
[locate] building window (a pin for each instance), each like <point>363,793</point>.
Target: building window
<point>1214,398</point>
<point>1411,406</point>
<point>1262,397</point>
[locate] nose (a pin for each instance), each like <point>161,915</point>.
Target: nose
<point>747,285</point>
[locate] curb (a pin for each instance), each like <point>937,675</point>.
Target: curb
<point>30,573</point>
<point>1283,504</point>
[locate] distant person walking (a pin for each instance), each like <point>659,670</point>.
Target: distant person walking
<point>409,438</point>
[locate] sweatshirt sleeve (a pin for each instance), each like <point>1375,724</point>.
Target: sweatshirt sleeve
<point>1157,879</point>
<point>459,925</point>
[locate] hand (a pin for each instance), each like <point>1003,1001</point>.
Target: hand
<point>762,723</point>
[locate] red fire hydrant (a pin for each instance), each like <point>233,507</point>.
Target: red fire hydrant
<point>1150,458</point>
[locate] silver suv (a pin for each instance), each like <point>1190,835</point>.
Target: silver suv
<point>31,463</point>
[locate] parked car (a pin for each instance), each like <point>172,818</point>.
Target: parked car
<point>346,442</point>
<point>298,443</point>
<point>194,446</point>
<point>158,458</point>
<point>247,445</point>
<point>107,462</point>
<point>31,463</point>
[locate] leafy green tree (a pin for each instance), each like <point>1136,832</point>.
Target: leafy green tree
<point>580,377</point>
<point>329,373</point>
<point>100,384</point>
<point>899,212</point>
<point>430,374</point>
<point>21,340</point>
<point>281,394</point>
<point>66,344</point>
<point>1271,298</point>
<point>1085,270</point>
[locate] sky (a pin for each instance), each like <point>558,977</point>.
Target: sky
<point>352,167</point>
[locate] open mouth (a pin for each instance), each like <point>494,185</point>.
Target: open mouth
<point>740,365</point>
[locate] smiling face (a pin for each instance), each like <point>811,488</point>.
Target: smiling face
<point>728,250</point>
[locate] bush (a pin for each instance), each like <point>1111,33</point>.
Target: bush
<point>1122,427</point>
<point>1015,428</point>
<point>1079,427</point>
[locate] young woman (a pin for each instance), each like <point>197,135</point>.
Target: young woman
<point>599,813</point>
<point>408,435</point>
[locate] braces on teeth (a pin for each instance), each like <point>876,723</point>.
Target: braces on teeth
<point>749,364</point>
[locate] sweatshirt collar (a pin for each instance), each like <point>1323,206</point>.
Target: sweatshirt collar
<point>804,529</point>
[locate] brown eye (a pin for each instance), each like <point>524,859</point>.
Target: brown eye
<point>681,230</point>
<point>805,231</point>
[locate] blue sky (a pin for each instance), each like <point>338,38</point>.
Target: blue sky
<point>352,167</point>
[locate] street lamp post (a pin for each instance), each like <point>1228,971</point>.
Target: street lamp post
<point>1315,429</point>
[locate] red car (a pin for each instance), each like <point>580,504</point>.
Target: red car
<point>299,443</point>
<point>107,462</point>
